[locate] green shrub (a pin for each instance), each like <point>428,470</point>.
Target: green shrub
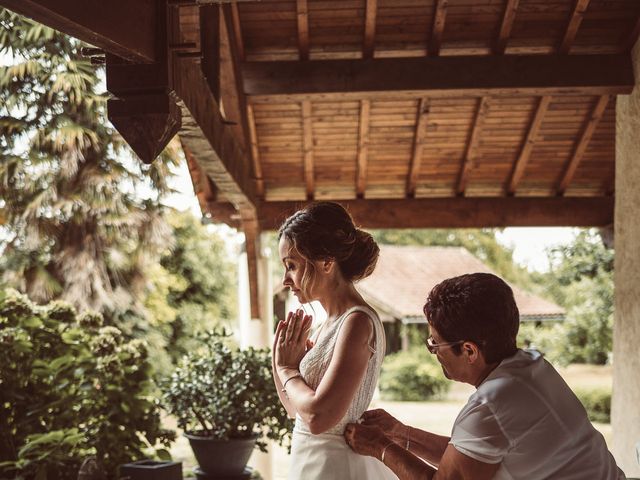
<point>224,392</point>
<point>70,388</point>
<point>597,403</point>
<point>414,375</point>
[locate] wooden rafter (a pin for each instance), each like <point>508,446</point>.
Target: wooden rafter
<point>205,131</point>
<point>307,140</point>
<point>255,152</point>
<point>582,143</point>
<point>509,15</point>
<point>441,76</point>
<point>237,30</point>
<point>527,147</point>
<point>418,143</point>
<point>210,35</point>
<point>437,29</point>
<point>473,144</point>
<point>204,189</point>
<point>303,28</point>
<point>461,212</point>
<point>102,24</point>
<point>370,29</point>
<point>243,113</point>
<point>363,148</point>
<point>575,20</point>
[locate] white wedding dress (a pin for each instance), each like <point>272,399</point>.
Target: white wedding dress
<point>327,456</point>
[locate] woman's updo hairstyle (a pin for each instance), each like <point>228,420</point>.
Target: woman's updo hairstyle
<point>324,230</point>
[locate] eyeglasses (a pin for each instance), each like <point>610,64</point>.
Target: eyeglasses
<point>433,347</point>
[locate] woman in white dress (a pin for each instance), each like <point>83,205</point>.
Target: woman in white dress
<point>328,380</point>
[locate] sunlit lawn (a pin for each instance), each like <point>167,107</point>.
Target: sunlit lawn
<point>434,416</point>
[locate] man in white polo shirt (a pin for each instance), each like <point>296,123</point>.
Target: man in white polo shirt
<point>523,421</point>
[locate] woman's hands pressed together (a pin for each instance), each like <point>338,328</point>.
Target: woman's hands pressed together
<point>291,343</point>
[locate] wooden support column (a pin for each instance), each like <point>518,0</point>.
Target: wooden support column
<point>625,405</point>
<point>252,247</point>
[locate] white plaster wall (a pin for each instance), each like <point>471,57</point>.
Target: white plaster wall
<point>626,337</point>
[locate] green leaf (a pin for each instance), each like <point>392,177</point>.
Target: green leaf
<point>163,454</point>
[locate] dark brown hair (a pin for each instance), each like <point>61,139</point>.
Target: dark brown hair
<point>478,307</point>
<point>323,230</point>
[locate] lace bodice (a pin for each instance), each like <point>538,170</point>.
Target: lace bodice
<point>316,361</point>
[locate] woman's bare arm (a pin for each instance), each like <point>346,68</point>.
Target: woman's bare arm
<point>323,408</point>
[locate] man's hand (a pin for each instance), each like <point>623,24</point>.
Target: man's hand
<point>390,425</point>
<point>366,440</point>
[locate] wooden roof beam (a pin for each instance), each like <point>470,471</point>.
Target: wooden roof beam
<point>418,142</point>
<point>363,148</point>
<point>461,212</point>
<point>443,76</point>
<point>508,17</point>
<point>471,152</point>
<point>307,140</point>
<point>575,20</point>
<point>302,10</point>
<point>126,29</point>
<point>437,29</point>
<point>369,29</point>
<point>255,152</point>
<point>582,143</point>
<point>204,130</point>
<point>527,147</point>
<point>237,30</point>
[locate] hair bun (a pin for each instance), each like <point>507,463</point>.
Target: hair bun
<point>364,256</point>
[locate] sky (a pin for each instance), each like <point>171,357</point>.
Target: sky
<point>529,243</point>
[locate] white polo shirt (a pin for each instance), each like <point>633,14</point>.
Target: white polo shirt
<point>525,417</point>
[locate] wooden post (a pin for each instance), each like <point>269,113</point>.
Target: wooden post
<point>625,405</point>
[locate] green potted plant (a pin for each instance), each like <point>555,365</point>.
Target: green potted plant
<point>225,401</point>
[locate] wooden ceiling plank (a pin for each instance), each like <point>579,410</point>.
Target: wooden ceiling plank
<point>573,25</point>
<point>461,212</point>
<point>508,17</point>
<point>582,144</point>
<point>303,28</point>
<point>363,148</point>
<point>419,134</point>
<point>471,152</point>
<point>443,76</point>
<point>437,29</point>
<point>527,147</point>
<point>370,29</point>
<point>121,27</point>
<point>307,142</point>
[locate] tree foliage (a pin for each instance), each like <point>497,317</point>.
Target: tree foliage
<point>193,287</point>
<point>77,226</point>
<point>581,280</point>
<point>70,388</point>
